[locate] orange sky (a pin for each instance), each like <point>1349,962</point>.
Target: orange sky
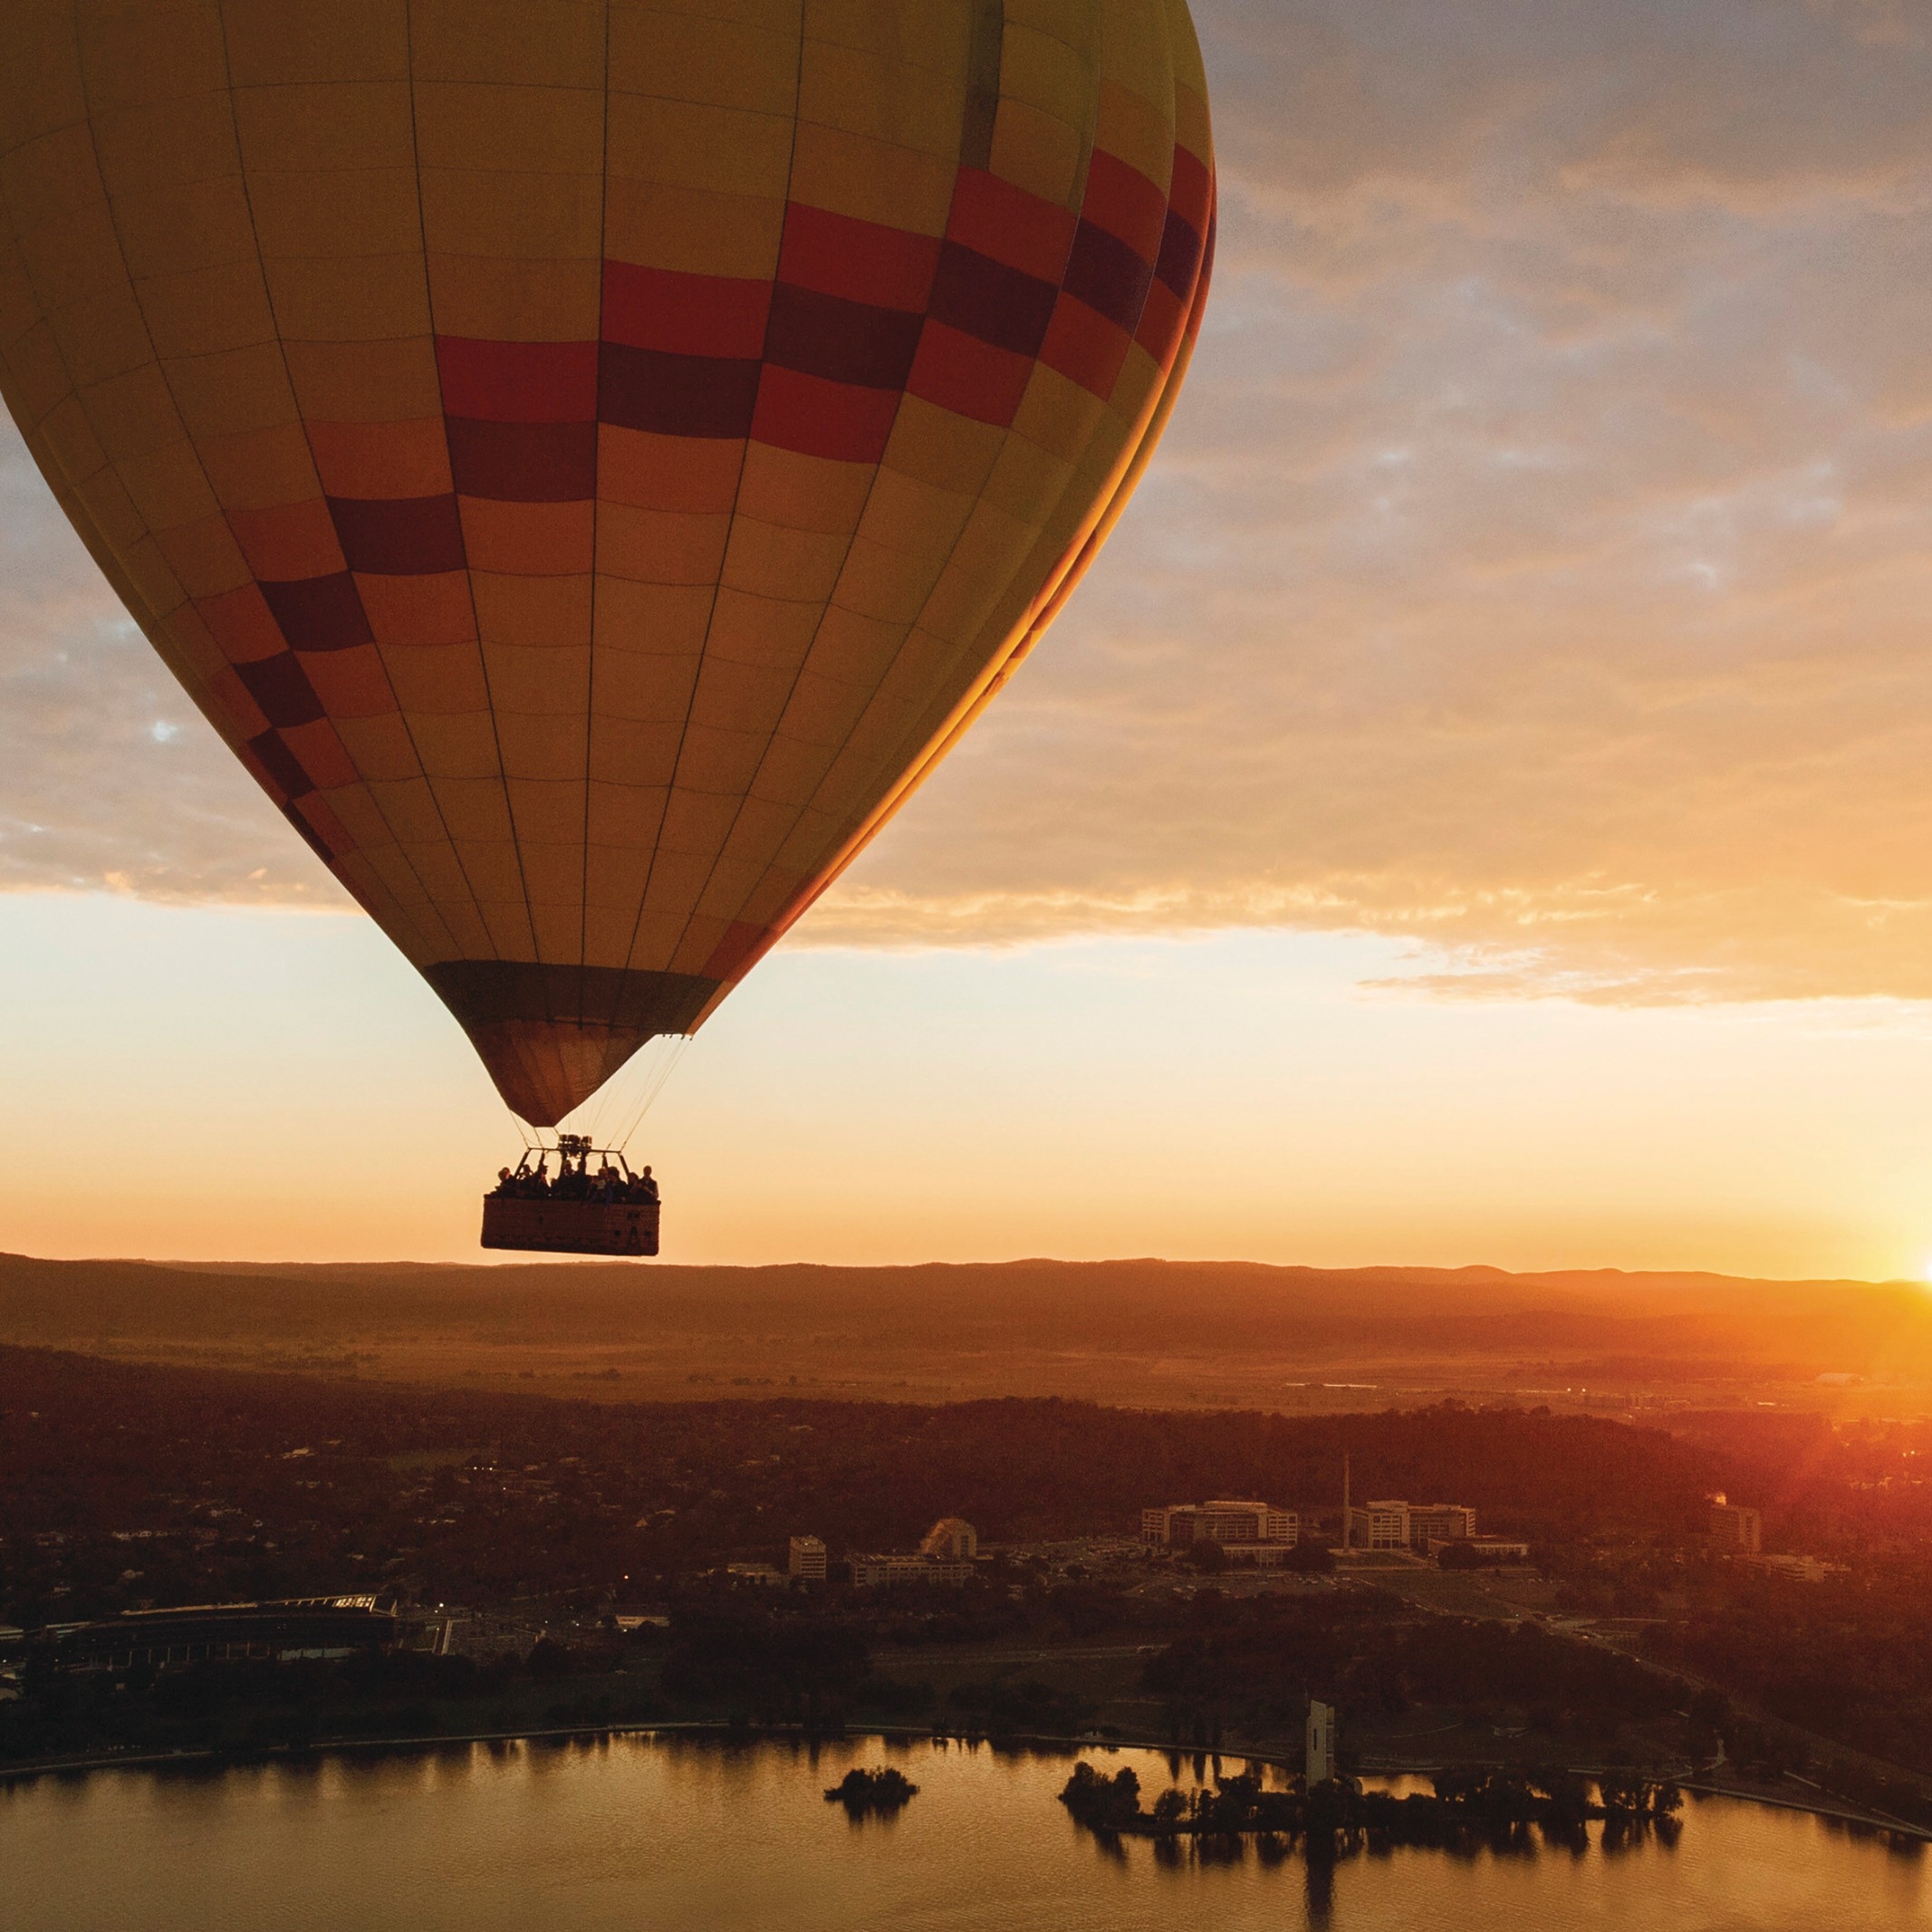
<point>1528,606</point>
<point>234,1083</point>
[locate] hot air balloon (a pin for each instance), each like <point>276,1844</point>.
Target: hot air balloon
<point>590,460</point>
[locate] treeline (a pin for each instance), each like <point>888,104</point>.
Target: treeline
<point>1847,1488</point>
<point>1469,1807</point>
<point>234,1707</point>
<point>217,1484</point>
<point>1850,1657</point>
<point>128,1485</point>
<point>1248,1667</point>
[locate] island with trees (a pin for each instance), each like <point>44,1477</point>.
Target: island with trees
<point>882,1794</point>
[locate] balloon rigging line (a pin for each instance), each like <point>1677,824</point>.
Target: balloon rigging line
<point>612,1103</point>
<point>659,1079</point>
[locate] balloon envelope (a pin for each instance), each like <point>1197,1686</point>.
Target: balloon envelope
<point>590,459</point>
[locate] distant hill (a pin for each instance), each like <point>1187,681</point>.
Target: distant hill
<point>1188,1331</point>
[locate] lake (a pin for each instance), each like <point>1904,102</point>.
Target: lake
<point>670,1834</point>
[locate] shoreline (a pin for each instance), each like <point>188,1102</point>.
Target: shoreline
<point>349,1746</point>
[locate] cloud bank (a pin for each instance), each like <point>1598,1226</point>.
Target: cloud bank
<point>1540,564</point>
<point>109,779</point>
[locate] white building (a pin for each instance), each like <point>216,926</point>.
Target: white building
<point>1737,1530</point>
<point>1378,1526</point>
<point>1801,1568</point>
<point>876,1571</point>
<point>1490,1549</point>
<point>1439,1521</point>
<point>953,1540</point>
<point>805,1557</point>
<point>1321,1744</point>
<point>1395,1524</point>
<point>1224,1521</point>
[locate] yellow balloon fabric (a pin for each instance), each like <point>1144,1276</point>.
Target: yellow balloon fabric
<point>590,459</point>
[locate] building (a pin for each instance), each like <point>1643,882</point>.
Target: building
<point>1321,1744</point>
<point>1739,1531</point>
<point>948,1554</point>
<point>805,1557</point>
<point>1485,1549</point>
<point>1378,1526</point>
<point>767,1576</point>
<point>1439,1521</point>
<point>953,1540</point>
<point>1228,1523</point>
<point>873,1572</point>
<point>1799,1569</point>
<point>292,1626</point>
<point>1394,1524</point>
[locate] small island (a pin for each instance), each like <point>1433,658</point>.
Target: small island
<point>869,1793</point>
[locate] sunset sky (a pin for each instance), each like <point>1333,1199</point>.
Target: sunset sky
<point>1478,810</point>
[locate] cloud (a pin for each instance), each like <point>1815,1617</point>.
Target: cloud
<point>1539,565</point>
<point>109,779</point>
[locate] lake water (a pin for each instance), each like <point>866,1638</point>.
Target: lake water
<point>679,1835</point>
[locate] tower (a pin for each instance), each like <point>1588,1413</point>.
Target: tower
<point>1321,1744</point>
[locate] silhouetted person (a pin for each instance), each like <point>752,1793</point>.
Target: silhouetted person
<point>647,1188</point>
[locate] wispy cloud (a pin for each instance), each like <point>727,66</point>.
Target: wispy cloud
<point>109,779</point>
<point>1539,565</point>
<point>1541,562</point>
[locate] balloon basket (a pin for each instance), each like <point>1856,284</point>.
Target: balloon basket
<point>578,1211</point>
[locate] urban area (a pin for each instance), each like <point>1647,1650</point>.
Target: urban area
<point>196,1561</point>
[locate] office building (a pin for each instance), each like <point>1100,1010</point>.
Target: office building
<point>1395,1524</point>
<point>1740,1531</point>
<point>1378,1526</point>
<point>1799,1569</point>
<point>952,1539</point>
<point>805,1557</point>
<point>1440,1522</point>
<point>285,1629</point>
<point>875,1571</point>
<point>1231,1524</point>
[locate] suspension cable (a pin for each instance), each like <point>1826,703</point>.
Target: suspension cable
<point>658,1079</point>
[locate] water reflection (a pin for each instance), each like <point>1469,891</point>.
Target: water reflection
<point>634,1834</point>
<point>1319,1892</point>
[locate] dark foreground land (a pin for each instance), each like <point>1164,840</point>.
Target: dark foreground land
<point>509,1532</point>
